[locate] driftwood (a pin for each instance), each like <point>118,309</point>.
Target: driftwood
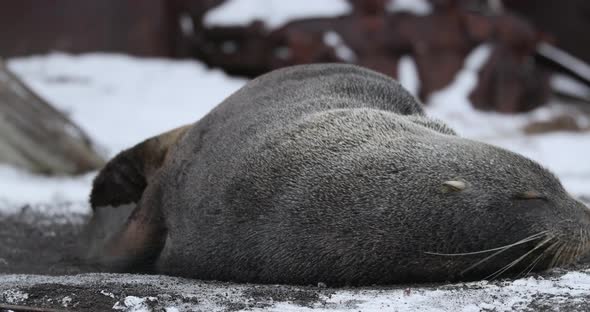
<point>36,136</point>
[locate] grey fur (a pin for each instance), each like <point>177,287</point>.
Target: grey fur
<point>332,173</point>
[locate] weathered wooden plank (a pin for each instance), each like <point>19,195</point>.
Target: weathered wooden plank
<point>36,136</point>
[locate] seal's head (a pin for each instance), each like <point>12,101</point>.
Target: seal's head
<point>510,214</point>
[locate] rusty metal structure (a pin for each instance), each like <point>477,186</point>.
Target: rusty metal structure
<point>513,79</point>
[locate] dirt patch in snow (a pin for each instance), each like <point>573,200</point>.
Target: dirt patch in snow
<point>34,243</point>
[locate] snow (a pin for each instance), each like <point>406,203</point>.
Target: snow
<point>418,7</point>
<point>569,85</point>
<point>66,301</point>
<point>13,296</point>
<point>273,13</point>
<point>345,53</point>
<point>569,61</point>
<point>20,188</point>
<point>134,304</point>
<point>408,74</point>
<point>108,294</point>
<point>476,296</point>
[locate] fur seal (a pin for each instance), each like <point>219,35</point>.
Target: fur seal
<point>329,173</point>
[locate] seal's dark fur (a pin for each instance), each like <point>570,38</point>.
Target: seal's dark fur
<point>332,173</point>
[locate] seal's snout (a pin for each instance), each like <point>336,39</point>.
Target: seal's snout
<point>584,228</point>
<point>570,237</point>
<point>581,215</point>
<point>559,225</point>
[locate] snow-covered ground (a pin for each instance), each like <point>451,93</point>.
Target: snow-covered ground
<point>125,292</point>
<point>121,100</point>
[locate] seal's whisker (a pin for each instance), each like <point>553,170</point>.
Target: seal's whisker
<point>586,246</point>
<point>483,260</point>
<point>502,270</point>
<point>531,266</point>
<point>515,262</point>
<point>564,255</point>
<point>554,258</point>
<point>554,246</point>
<point>558,254</point>
<point>575,250</point>
<point>528,239</point>
<point>579,243</point>
<point>525,240</point>
<point>583,243</point>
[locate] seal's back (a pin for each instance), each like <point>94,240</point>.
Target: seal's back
<point>222,171</point>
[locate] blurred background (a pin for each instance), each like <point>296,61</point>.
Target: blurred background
<point>82,80</point>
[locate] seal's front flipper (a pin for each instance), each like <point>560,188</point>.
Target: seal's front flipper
<point>126,231</point>
<point>128,240</point>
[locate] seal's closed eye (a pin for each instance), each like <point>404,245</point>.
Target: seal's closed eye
<point>530,195</point>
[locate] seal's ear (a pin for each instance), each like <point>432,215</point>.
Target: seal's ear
<point>453,186</point>
<point>124,178</point>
